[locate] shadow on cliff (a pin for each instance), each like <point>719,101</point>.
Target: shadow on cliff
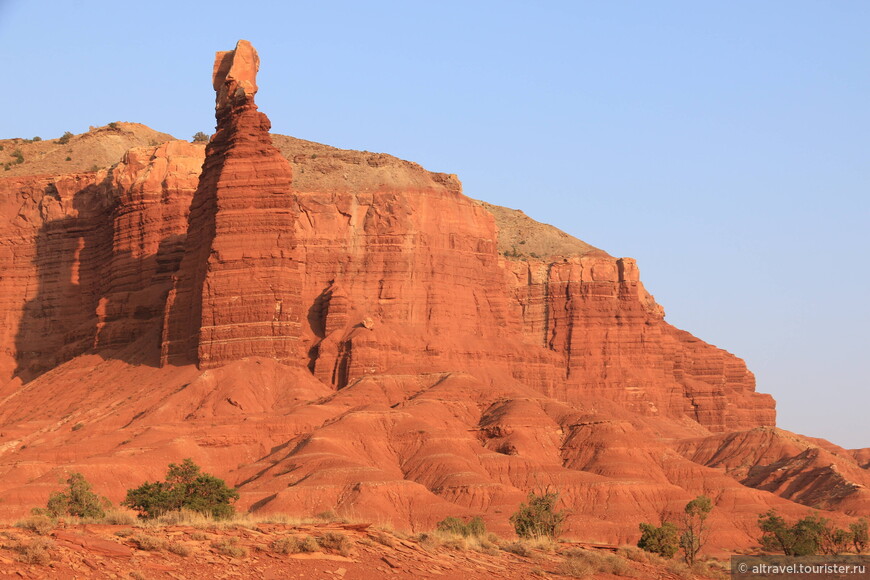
<point>90,299</point>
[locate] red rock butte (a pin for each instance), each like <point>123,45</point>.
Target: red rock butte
<point>345,331</point>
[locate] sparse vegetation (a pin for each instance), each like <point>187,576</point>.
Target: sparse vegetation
<point>78,501</point>
<point>148,543</point>
<point>200,137</point>
<point>39,524</point>
<point>113,125</point>
<point>474,527</point>
<point>538,517</point>
<point>662,540</point>
<point>186,487</point>
<point>230,547</point>
<point>810,536</point>
<point>294,545</point>
<point>36,551</point>
<point>337,542</point>
<point>179,549</point>
<point>667,539</point>
<point>584,563</point>
<point>78,426</point>
<point>64,139</point>
<point>859,535</point>
<point>695,527</point>
<point>19,156</point>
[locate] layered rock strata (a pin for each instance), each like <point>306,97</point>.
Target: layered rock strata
<point>344,330</point>
<point>237,292</point>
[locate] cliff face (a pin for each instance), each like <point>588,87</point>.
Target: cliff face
<point>332,328</point>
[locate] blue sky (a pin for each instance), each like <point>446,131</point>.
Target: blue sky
<point>725,145</point>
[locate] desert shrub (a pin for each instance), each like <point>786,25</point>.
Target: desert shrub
<point>859,535</point>
<point>38,524</point>
<point>118,518</point>
<point>185,488</point>
<point>294,545</point>
<point>475,527</point>
<point>695,527</point>
<point>538,517</point>
<point>230,547</point>
<point>285,545</point>
<point>662,540</point>
<point>78,501</point>
<point>113,125</point>
<point>148,543</point>
<point>37,551</point>
<point>834,541</point>
<point>679,568</point>
<point>64,139</point>
<point>179,549</point>
<point>184,517</point>
<point>78,426</point>
<point>519,548</point>
<point>36,139</point>
<point>336,542</point>
<point>582,563</point>
<point>18,155</point>
<point>328,516</point>
<point>806,537</point>
<point>200,137</point>
<point>385,540</point>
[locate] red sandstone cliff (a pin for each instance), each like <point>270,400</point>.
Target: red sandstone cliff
<point>342,330</point>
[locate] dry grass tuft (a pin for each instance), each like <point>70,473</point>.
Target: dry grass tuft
<point>36,551</point>
<point>383,538</point>
<point>584,563</point>
<point>179,549</point>
<point>148,543</point>
<point>38,524</point>
<point>230,547</point>
<point>294,545</point>
<point>337,542</point>
<point>118,518</point>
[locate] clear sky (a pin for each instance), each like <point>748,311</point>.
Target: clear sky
<point>725,145</point>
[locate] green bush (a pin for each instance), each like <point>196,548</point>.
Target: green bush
<point>663,540</point>
<point>806,537</point>
<point>78,501</point>
<point>859,535</point>
<point>185,488</point>
<point>474,527</point>
<point>18,155</point>
<point>537,518</point>
<point>200,137</point>
<point>64,139</point>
